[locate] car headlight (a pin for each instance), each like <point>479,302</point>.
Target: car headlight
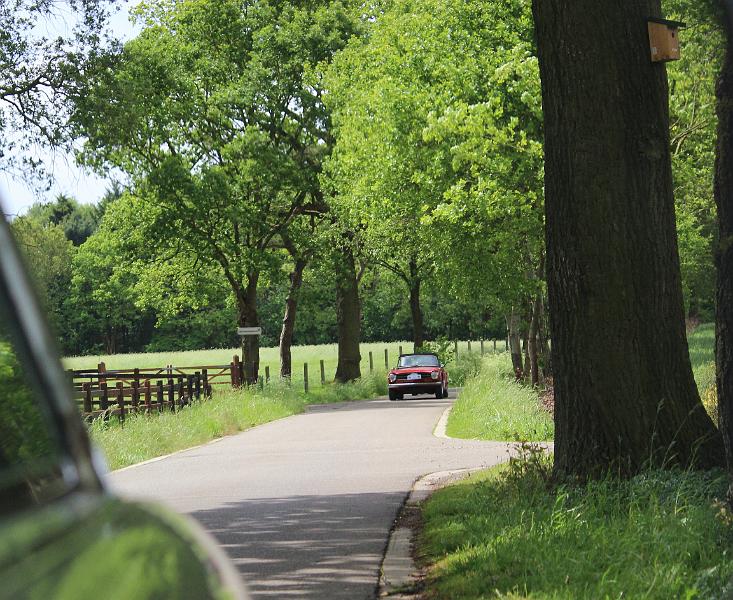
<point>435,375</point>
<point>392,377</point>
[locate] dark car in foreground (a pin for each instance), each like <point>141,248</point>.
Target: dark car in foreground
<point>63,535</point>
<point>419,373</point>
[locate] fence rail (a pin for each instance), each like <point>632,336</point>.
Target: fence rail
<point>103,392</point>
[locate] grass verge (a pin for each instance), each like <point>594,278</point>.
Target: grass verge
<point>502,534</point>
<point>702,356</point>
<point>492,406</point>
<point>146,436</point>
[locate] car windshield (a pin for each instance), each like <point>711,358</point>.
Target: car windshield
<point>419,360</point>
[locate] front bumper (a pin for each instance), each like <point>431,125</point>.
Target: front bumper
<point>415,387</point>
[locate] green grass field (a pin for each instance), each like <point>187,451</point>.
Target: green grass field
<point>268,357</point>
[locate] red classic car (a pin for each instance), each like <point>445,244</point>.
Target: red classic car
<point>418,374</point>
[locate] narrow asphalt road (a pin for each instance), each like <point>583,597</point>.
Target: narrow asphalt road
<point>304,505</point>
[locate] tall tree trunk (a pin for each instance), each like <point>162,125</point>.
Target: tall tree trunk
<point>515,347</point>
<point>544,344</point>
<point>724,254</point>
<point>291,307</point>
<point>110,341</point>
<point>415,309</point>
<point>348,317</point>
<point>624,392</point>
<point>532,350</point>
<point>247,316</point>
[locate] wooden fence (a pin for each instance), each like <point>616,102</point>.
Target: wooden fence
<point>102,393</point>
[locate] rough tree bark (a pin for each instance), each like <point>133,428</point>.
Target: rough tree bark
<point>515,346</point>
<point>724,254</point>
<point>624,392</point>
<point>291,307</point>
<point>532,339</point>
<point>348,317</point>
<point>247,316</point>
<point>415,309</point>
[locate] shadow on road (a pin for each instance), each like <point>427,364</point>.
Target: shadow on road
<point>306,546</point>
<point>421,401</point>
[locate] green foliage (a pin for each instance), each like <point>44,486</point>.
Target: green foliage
<point>38,72</point>
<point>693,125</point>
<point>492,406</point>
<point>443,347</point>
<point>660,535</point>
<point>78,221</point>
<point>25,432</point>
<point>437,117</point>
<point>49,257</point>
<point>464,368</point>
<point>215,110</point>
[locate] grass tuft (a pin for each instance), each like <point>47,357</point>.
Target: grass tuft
<point>660,535</point>
<point>492,406</point>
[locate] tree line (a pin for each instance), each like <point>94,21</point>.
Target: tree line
<point>471,167</point>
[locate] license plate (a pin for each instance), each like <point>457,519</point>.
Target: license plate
<point>413,376</point>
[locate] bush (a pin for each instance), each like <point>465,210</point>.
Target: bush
<point>464,368</point>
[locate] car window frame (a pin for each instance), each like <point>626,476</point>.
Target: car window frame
<point>37,351</point>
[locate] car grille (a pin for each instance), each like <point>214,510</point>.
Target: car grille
<point>403,377</point>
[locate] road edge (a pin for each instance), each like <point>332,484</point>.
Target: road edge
<point>398,573</point>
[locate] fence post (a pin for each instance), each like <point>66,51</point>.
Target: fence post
<point>189,388</point>
<point>121,401</point>
<point>87,397</point>
<point>160,395</point>
<point>494,346</point>
<point>135,395</point>
<point>147,395</point>
<point>469,345</point>
<point>181,393</point>
<point>197,377</point>
<point>506,347</point>
<point>207,387</point>
<point>267,373</point>
<point>371,362</point>
<point>104,399</point>
<point>455,348</point>
<point>101,369</point>
<point>323,373</point>
<point>400,349</point>
<point>305,377</point>
<point>386,359</point>
<point>171,395</point>
<point>235,371</point>
<point>482,347</point>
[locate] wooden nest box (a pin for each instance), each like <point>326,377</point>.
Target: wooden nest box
<point>664,41</point>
